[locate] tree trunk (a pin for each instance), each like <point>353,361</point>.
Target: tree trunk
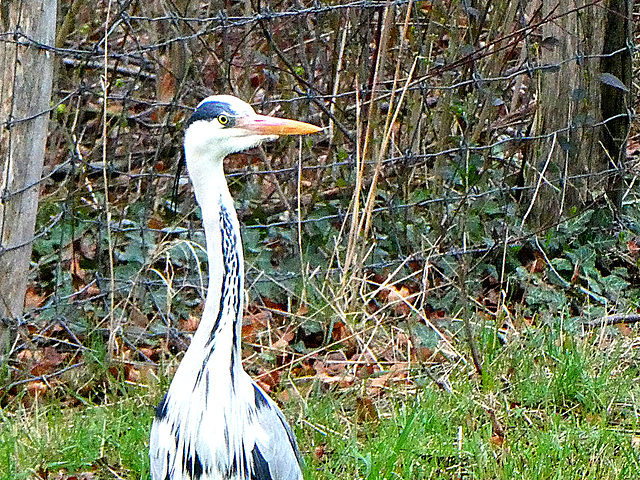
<point>617,102</point>
<point>569,107</point>
<point>26,73</point>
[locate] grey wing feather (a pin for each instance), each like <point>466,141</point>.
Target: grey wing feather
<point>278,449</point>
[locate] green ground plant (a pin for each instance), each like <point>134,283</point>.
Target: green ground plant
<point>558,407</point>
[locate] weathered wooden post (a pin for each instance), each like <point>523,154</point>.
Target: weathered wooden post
<point>26,72</point>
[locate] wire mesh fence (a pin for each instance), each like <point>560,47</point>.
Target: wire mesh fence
<point>429,174</point>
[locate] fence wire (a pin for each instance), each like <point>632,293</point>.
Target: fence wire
<point>455,90</point>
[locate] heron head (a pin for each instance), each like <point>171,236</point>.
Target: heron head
<point>223,124</point>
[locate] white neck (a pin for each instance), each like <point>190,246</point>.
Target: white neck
<point>217,339</point>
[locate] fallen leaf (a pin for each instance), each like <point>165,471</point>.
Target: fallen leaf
<point>254,323</point>
<point>397,371</point>
<point>538,265</point>
<point>365,410</point>
<point>33,299</point>
<point>191,323</point>
<point>37,388</point>
<point>284,340</point>
<point>319,452</point>
<point>147,352</point>
<point>50,359</point>
<point>339,331</point>
<point>625,330</point>
<point>155,223</point>
<point>25,356</point>
<point>136,317</point>
<point>133,374</point>
<point>399,299</point>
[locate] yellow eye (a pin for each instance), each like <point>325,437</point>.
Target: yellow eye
<point>223,119</point>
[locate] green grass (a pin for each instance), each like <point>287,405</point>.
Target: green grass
<point>41,441</point>
<point>566,411</point>
<point>566,406</point>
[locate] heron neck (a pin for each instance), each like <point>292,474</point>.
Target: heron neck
<point>217,339</point>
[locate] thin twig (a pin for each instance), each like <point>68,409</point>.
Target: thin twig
<point>612,320</point>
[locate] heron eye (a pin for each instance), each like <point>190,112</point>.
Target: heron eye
<point>223,119</point>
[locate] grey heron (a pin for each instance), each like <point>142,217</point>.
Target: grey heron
<point>215,422</point>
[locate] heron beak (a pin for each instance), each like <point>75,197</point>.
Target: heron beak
<point>263,125</point>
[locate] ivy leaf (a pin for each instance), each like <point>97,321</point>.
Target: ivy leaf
<point>615,284</point>
<point>613,81</point>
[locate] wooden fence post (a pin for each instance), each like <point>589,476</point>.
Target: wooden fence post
<point>26,72</point>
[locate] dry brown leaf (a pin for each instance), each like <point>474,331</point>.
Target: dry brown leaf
<point>249,332</point>
<point>339,331</point>
<point>76,270</point>
<point>50,359</point>
<point>254,323</point>
<point>365,410</point>
<point>335,363</point>
<point>342,379</point>
<point>147,352</point>
<point>266,386</point>
<point>365,370</point>
<point>399,299</point>
<point>426,354</point>
<point>284,396</point>
<point>284,340</point>
<point>269,379</point>
<point>37,388</point>
<point>319,452</point>
<point>92,290</point>
<point>136,317</point>
<point>260,319</point>
<point>625,330</point>
<point>166,84</point>
<point>33,299</point>
<point>191,323</point>
<point>538,265</point>
<point>133,374</point>
<point>155,223</point>
<point>25,356</point>
<point>397,371</point>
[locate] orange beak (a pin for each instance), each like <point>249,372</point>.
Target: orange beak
<point>263,125</point>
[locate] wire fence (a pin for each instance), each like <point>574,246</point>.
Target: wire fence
<point>433,126</point>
